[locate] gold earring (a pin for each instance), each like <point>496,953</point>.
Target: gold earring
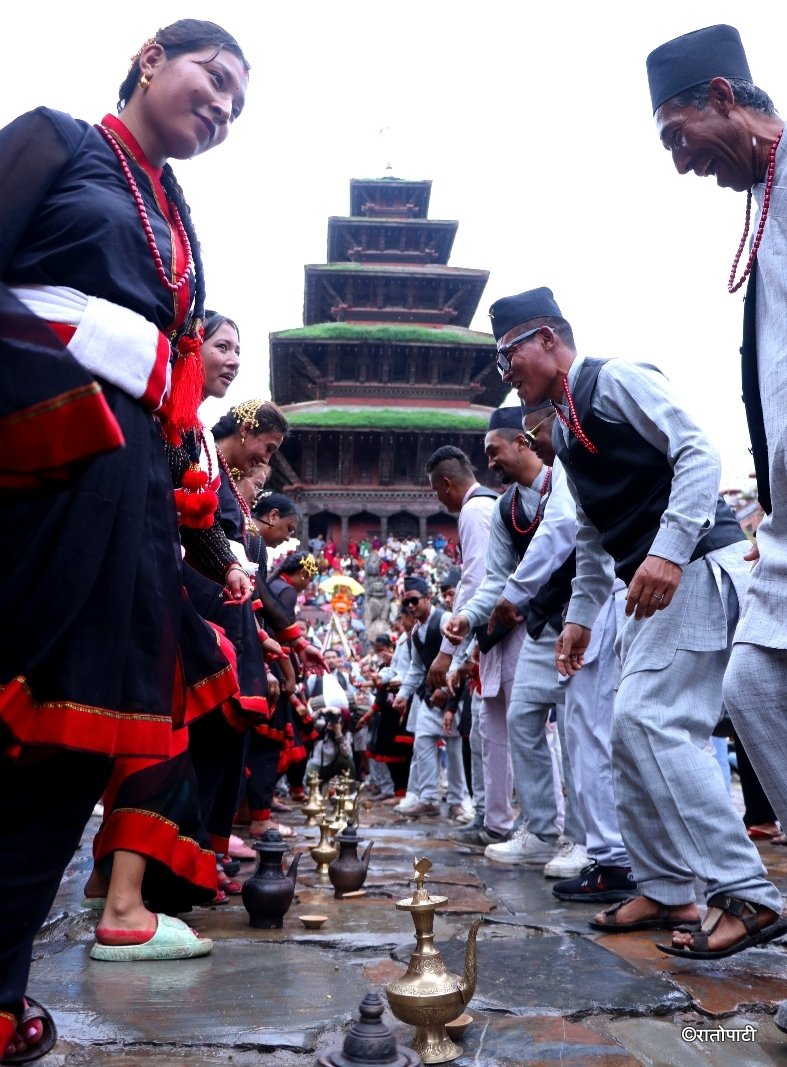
<point>144,81</point>
<point>243,438</point>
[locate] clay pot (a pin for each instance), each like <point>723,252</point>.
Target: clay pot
<point>348,871</point>
<point>268,894</point>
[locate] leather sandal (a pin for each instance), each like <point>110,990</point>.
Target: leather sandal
<point>661,921</point>
<point>33,1012</point>
<point>741,909</point>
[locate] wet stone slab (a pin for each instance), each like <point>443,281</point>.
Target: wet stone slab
<point>668,1043</point>
<point>528,973</point>
<point>504,1042</point>
<point>756,978</point>
<point>253,995</point>
<point>527,896</point>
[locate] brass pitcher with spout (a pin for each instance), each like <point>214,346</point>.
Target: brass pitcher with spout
<point>428,996</point>
<point>315,805</point>
<point>324,853</point>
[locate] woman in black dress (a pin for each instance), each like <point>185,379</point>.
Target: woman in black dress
<point>97,253</point>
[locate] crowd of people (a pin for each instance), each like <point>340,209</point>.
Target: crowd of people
<point>553,689</point>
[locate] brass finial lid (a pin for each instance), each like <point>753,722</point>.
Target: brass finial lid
<point>370,1042</point>
<point>421,900</point>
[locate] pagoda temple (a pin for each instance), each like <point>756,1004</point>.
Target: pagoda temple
<point>384,370</point>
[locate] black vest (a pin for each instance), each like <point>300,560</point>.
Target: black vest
<point>520,541</point>
<point>624,488</point>
<point>428,646</point>
<point>751,395</point>
<point>549,602</point>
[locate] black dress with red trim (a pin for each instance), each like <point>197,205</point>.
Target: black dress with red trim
<point>93,571</point>
<point>238,621</point>
<point>294,750</point>
<point>389,742</point>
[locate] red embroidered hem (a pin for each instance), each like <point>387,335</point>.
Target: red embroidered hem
<point>82,727</point>
<point>151,835</point>
<point>45,439</point>
<point>269,732</point>
<point>205,695</point>
<point>289,633</point>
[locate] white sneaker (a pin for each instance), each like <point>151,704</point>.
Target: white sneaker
<point>406,803</point>
<point>570,860</point>
<point>523,849</point>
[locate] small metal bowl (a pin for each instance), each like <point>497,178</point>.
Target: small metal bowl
<point>313,922</point>
<point>457,1027</point>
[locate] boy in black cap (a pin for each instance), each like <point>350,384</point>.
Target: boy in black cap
<point>646,484</point>
<point>716,121</point>
<point>426,712</point>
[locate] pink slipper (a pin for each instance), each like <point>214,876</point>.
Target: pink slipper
<point>239,850</point>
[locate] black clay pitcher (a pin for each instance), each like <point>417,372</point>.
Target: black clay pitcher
<point>348,871</point>
<point>268,894</point>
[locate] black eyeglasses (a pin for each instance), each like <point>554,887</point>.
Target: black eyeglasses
<point>503,351</point>
<point>530,435</point>
<point>409,601</point>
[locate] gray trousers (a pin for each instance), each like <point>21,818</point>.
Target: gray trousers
<point>476,757</point>
<point>424,778</point>
<point>677,821</point>
<point>536,690</point>
<point>380,775</point>
<point>497,767</point>
<point>590,702</point>
<point>755,692</point>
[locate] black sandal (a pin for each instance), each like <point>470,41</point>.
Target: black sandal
<point>661,921</point>
<point>31,1012</point>
<point>741,909</point>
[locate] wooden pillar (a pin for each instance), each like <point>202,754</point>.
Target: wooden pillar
<point>344,536</point>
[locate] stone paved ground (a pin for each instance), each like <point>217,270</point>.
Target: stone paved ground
<point>549,990</point>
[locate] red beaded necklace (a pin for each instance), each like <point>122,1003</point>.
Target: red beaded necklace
<point>732,285</point>
<point>539,510</point>
<point>572,423</point>
<point>172,285</point>
<point>248,521</point>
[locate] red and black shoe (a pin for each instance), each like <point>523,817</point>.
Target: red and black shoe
<point>598,882</point>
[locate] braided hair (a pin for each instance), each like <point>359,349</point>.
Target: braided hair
<point>175,193</point>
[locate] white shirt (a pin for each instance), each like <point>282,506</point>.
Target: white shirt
<point>551,545</point>
<point>475,518</point>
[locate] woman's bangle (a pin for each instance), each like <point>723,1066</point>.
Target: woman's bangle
<point>236,566</point>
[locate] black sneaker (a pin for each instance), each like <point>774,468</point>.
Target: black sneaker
<point>478,837</point>
<point>598,883</point>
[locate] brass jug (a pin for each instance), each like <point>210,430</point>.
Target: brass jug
<point>315,805</point>
<point>324,852</point>
<point>428,996</point>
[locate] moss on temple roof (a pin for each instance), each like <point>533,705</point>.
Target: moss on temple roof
<point>374,418</point>
<point>415,269</point>
<point>345,331</point>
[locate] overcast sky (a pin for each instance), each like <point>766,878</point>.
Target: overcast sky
<point>532,120</point>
